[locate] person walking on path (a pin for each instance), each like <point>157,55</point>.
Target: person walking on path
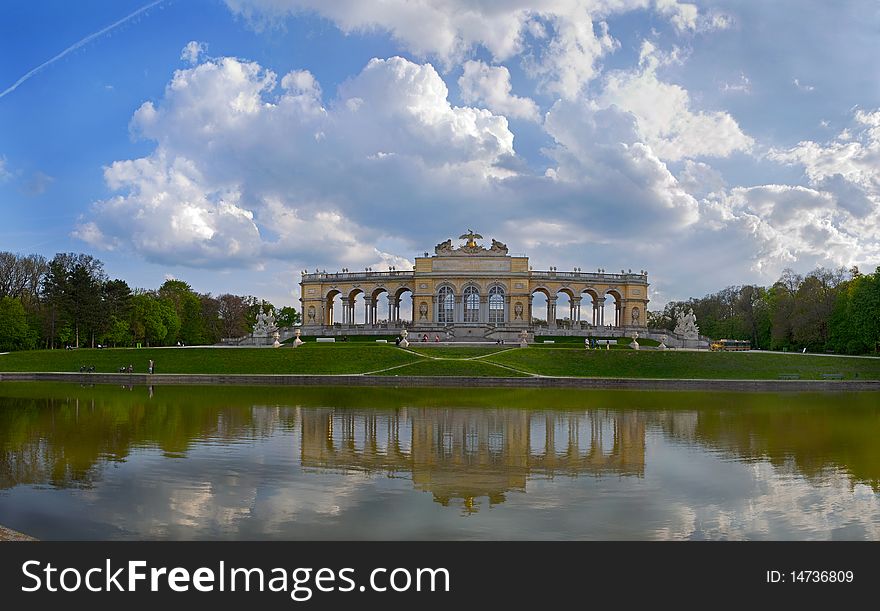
<point>151,367</point>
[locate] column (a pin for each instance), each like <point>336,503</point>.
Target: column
<point>551,312</point>
<point>484,309</point>
<point>458,311</point>
<point>601,305</point>
<point>367,307</point>
<point>576,310</point>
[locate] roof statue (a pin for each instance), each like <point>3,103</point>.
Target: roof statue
<point>443,248</point>
<point>471,238</point>
<point>470,247</point>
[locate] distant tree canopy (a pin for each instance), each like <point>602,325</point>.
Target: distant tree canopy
<point>826,310</point>
<point>70,301</point>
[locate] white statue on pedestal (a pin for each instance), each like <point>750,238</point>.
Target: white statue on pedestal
<point>404,343</point>
<point>662,345</point>
<point>297,342</point>
<point>264,327</point>
<point>686,325</point>
<point>524,339</point>
<point>276,343</point>
<point>635,344</point>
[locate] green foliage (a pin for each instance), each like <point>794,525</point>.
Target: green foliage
<point>287,317</point>
<point>153,320</point>
<point>824,311</point>
<point>15,333</point>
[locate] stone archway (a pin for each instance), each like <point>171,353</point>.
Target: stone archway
<point>614,317</point>
<point>375,312</point>
<point>595,304</point>
<point>330,305</point>
<point>536,306</point>
<point>401,307</point>
<point>355,307</point>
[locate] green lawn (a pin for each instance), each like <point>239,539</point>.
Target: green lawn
<point>358,357</point>
<point>683,364</point>
<point>458,352</point>
<point>430,367</point>
<point>308,358</point>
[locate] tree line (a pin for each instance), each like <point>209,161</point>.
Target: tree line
<point>70,301</point>
<point>825,311</point>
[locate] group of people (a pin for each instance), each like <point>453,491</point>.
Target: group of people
<point>425,338</point>
<point>591,343</point>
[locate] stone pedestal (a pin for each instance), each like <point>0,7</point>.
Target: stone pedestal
<point>635,344</point>
<point>297,342</point>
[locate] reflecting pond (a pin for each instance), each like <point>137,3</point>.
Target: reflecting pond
<point>172,462</point>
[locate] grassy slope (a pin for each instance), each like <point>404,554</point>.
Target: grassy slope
<point>309,358</point>
<point>682,364</point>
<point>461,352</point>
<point>362,358</point>
<point>442,367</point>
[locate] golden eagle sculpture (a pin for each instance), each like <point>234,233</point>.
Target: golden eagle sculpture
<point>471,238</point>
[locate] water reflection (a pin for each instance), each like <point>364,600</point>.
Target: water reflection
<point>279,463</point>
<point>463,454</point>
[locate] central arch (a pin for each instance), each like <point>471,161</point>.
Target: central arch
<point>470,304</point>
<point>496,305</point>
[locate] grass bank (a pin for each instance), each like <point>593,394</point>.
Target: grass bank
<point>310,358</point>
<point>474,361</point>
<point>684,364</point>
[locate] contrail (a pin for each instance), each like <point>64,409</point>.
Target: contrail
<point>77,45</point>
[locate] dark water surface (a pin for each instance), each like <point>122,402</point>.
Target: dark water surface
<point>333,463</point>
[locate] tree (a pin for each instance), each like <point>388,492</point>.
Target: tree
<point>865,309</point>
<point>211,318</point>
<point>115,311</point>
<point>72,288</point>
<point>233,311</point>
<point>153,320</point>
<point>15,334</point>
<point>287,317</point>
<point>188,307</point>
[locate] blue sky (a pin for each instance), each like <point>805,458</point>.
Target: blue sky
<point>711,143</point>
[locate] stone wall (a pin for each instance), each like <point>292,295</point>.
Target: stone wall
<point>142,379</point>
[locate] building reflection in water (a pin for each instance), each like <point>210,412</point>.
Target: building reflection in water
<point>462,455</point>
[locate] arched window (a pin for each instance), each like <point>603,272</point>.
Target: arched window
<point>496,305</point>
<point>445,305</point>
<point>472,304</point>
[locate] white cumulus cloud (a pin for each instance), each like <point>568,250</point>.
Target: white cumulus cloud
<point>665,115</point>
<point>490,85</point>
